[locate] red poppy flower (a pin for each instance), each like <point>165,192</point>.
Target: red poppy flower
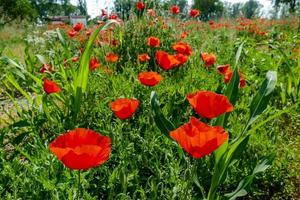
<point>181,58</point>
<point>210,22</point>
<point>209,104</point>
<point>242,80</point>
<point>111,57</point>
<point>50,87</point>
<point>78,26</point>
<point>81,148</point>
<point>89,32</point>
<point>113,16</point>
<point>183,35</point>
<point>199,139</point>
<point>75,59</point>
<point>222,69</point>
<point>149,78</point>
<point>151,12</point>
<point>143,57</point>
<point>153,42</point>
<point>228,76</point>
<point>124,108</point>
<point>103,13</point>
<point>166,61</point>
<point>94,63</point>
<point>194,13</point>
<point>114,42</point>
<point>208,59</point>
<point>46,68</point>
<point>140,5</point>
<point>72,33</point>
<point>183,48</point>
<point>174,10</point>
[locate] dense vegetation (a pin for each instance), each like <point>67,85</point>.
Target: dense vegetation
<point>92,69</point>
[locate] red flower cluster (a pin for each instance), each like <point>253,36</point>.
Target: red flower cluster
<point>111,57</point>
<point>46,68</point>
<point>103,13</point>
<point>174,9</point>
<point>209,104</point>
<point>166,61</point>
<point>113,16</point>
<point>183,48</point>
<point>227,72</point>
<point>198,138</point>
<point>81,148</point>
<point>151,13</point>
<point>194,13</point>
<point>153,42</point>
<point>76,28</point>
<point>124,108</point>
<point>75,59</point>
<point>140,5</point>
<point>143,57</point>
<point>51,87</point>
<point>149,78</point>
<point>208,59</point>
<point>94,63</point>
<point>72,33</point>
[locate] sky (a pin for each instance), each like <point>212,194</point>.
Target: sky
<point>94,6</point>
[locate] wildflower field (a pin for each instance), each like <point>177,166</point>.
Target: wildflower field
<point>155,107</point>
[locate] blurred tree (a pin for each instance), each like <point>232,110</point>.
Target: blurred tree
<point>68,8</point>
<point>232,10</point>
<point>209,8</point>
<point>236,10</point>
<point>293,4</point>
<point>251,9</point>
<point>123,8</point>
<point>17,9</point>
<point>54,7</point>
<point>82,6</point>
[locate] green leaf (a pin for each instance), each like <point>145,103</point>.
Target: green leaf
<point>41,59</point>
<point>20,124</point>
<point>81,80</point>
<point>231,93</point>
<point>236,149</point>
<point>220,151</point>
<point>238,53</point>
<point>232,89</point>
<point>60,37</point>
<point>245,183</point>
<point>162,123</point>
<point>13,81</point>
<point>274,116</point>
<point>264,164</point>
<point>239,191</point>
<point>20,138</point>
<point>23,71</point>
<point>261,99</point>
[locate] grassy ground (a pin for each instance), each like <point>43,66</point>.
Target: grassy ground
<point>12,41</point>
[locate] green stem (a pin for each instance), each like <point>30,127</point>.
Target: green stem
<point>79,186</point>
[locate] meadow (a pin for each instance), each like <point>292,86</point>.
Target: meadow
<point>217,117</point>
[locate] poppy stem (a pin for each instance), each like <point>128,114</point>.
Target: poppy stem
<point>79,188</point>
